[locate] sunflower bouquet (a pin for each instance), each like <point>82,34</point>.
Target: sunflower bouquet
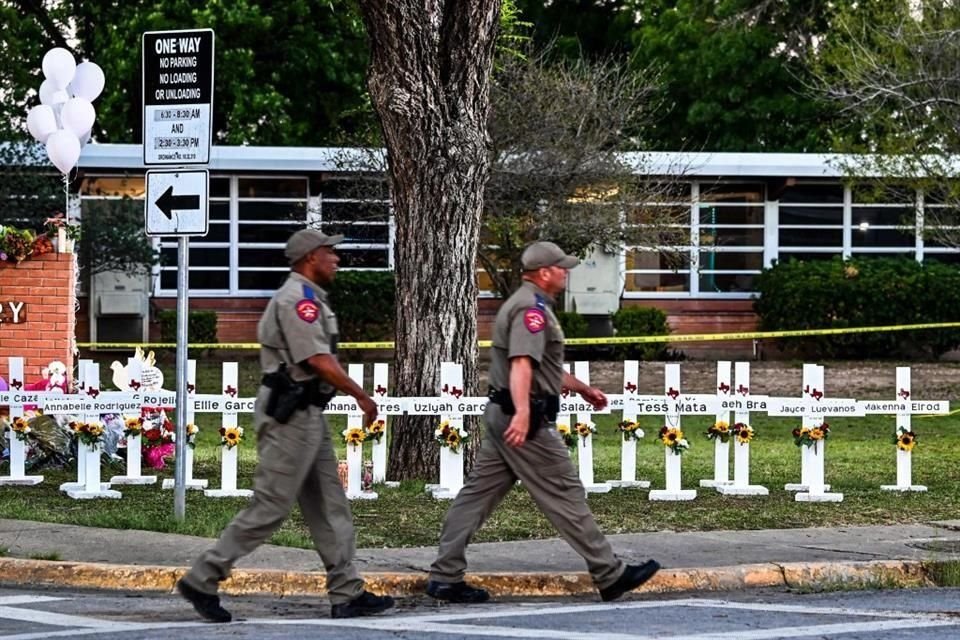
<point>630,430</point>
<point>809,436</point>
<point>230,436</point>
<point>904,439</point>
<point>742,433</point>
<point>672,438</point>
<point>585,429</point>
<point>568,438</point>
<point>89,433</point>
<point>20,429</point>
<point>376,430</point>
<point>354,436</point>
<point>132,427</point>
<point>451,437</point>
<point>719,430</point>
<point>191,432</point>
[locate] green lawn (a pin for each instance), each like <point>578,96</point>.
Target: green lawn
<point>860,458</point>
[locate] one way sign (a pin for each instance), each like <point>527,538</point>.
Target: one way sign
<point>176,203</point>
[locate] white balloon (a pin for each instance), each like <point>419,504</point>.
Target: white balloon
<point>63,149</point>
<point>59,96</point>
<point>77,116</point>
<point>88,81</point>
<point>46,92</point>
<point>85,138</point>
<point>59,67</point>
<point>41,122</point>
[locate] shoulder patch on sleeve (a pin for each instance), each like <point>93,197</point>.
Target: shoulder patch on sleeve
<point>534,320</point>
<point>307,310</point>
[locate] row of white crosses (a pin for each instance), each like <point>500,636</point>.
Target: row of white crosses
<point>452,406</point>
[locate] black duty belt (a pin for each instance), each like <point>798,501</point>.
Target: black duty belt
<point>543,408</point>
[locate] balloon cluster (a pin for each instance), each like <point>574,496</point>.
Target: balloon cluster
<point>64,118</point>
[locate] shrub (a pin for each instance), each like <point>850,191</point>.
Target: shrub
<point>641,321</point>
<point>860,292</point>
<point>201,327</point>
<point>573,324</point>
<point>365,304</point>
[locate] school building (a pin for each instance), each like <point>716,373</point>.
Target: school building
<point>742,211</point>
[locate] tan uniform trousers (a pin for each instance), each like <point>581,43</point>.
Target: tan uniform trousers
<point>543,466</point>
<point>297,463</point>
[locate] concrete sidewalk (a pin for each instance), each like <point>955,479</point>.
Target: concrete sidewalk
<point>807,558</point>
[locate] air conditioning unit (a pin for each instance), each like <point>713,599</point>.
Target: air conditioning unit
<point>594,286</point>
<point>119,308</point>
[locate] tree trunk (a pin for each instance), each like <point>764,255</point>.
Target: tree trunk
<point>429,82</point>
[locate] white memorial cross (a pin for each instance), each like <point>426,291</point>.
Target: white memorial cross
<point>354,488</point>
<point>78,408</point>
<point>15,398</point>
<point>573,403</point>
<point>378,448</point>
<point>904,406</point>
<point>628,445</point>
<point>134,442</point>
<point>563,415</point>
<point>229,454</point>
<point>812,407</point>
<point>672,405</point>
<point>228,393</point>
<point>91,487</point>
<point>451,397</point>
<point>721,450</point>
<point>742,403</point>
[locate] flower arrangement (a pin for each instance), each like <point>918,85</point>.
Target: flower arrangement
<point>16,245</point>
<point>158,440</point>
<point>809,436</point>
<point>230,436</point>
<point>585,429</point>
<point>191,432</point>
<point>354,436</point>
<point>743,433</point>
<point>21,429</point>
<point>376,430</point>
<point>630,430</point>
<point>132,427</point>
<point>451,437</point>
<point>719,430</point>
<point>672,438</point>
<point>568,438</point>
<point>89,433</point>
<point>904,439</point>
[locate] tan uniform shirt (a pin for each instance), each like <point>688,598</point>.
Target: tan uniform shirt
<point>297,323</point>
<point>526,326</point>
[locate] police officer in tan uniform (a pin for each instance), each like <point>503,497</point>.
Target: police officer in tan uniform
<point>526,376</point>
<point>298,336</point>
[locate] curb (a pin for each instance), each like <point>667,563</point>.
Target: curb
<point>812,576</point>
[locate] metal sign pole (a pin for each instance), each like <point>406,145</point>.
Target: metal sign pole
<point>180,461</point>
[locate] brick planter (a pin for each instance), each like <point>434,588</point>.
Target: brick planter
<point>46,285</point>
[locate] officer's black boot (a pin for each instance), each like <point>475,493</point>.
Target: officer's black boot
<point>456,592</point>
<point>206,605</point>
<point>366,604</point>
<point>634,576</point>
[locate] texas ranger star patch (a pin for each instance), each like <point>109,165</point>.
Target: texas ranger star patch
<point>534,320</point>
<point>307,310</point>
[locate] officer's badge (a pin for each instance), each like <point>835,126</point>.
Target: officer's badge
<point>534,320</point>
<point>307,310</point>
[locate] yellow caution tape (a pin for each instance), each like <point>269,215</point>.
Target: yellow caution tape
<point>690,337</point>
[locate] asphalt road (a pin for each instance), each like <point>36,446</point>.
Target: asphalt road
<point>754,615</point>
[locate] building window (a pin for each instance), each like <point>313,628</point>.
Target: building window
<point>810,221</point>
<point>359,208</point>
<point>660,271</point>
<point>729,239</point>
<point>882,220</point>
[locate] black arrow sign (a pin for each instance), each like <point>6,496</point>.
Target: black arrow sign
<point>167,202</point>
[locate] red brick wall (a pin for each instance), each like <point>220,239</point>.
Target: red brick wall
<point>47,287</point>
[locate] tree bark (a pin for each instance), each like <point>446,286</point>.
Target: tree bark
<point>429,82</point>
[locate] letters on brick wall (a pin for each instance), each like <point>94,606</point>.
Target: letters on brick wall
<point>12,312</point>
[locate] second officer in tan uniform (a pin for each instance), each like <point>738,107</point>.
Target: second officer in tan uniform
<point>526,376</point>
<point>298,336</point>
